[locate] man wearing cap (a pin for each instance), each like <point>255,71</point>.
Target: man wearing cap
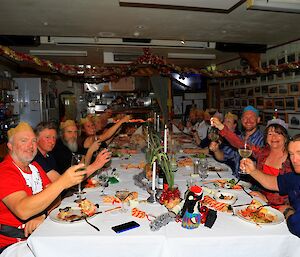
<point>26,192</point>
<point>286,184</point>
<point>250,120</point>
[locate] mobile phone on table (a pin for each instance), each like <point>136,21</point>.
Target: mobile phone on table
<point>125,226</point>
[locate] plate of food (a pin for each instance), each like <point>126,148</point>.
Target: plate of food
<point>217,168</point>
<point>225,197</point>
<point>259,214</point>
<point>74,213</point>
<point>230,183</point>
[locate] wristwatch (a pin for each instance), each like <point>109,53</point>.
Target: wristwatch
<point>287,210</point>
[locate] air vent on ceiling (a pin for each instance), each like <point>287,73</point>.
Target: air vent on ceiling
<point>136,40</point>
<point>109,57</point>
<point>19,40</point>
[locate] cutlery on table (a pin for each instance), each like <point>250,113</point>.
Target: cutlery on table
<point>95,227</point>
<point>246,191</point>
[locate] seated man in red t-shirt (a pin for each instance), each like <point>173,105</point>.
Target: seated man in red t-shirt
<point>26,193</point>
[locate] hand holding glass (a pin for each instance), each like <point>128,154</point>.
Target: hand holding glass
<point>76,159</point>
<point>245,152</point>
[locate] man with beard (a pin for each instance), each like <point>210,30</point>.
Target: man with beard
<point>67,144</point>
<point>251,134</point>
<point>26,193</point>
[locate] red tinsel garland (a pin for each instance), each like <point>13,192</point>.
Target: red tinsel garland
<point>99,74</point>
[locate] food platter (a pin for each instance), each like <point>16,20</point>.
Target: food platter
<point>75,215</point>
<point>267,210</point>
<point>225,197</point>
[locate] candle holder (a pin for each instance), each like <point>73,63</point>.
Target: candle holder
<point>152,197</point>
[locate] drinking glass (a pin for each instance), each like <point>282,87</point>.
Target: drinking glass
<point>76,159</point>
<point>203,168</point>
<point>122,195</point>
<point>104,181</point>
<point>213,134</point>
<point>245,152</point>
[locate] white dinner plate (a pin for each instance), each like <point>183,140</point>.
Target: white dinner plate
<point>278,214</point>
<point>74,209</point>
<point>221,195</point>
<point>245,185</point>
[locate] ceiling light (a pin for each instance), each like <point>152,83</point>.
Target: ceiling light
<point>58,53</point>
<point>182,42</point>
<point>192,56</point>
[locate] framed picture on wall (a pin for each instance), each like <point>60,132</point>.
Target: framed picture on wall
<point>283,89</point>
<point>251,101</point>
<point>257,91</point>
<point>294,89</point>
<point>270,77</point>
<point>290,103</point>
<point>259,102</point>
<point>237,92</point>
<point>298,104</point>
<point>250,91</point>
<point>267,116</point>
<point>268,103</point>
<point>237,103</point>
<point>264,90</point>
<point>294,120</point>
<point>279,103</point>
<point>282,115</point>
<point>243,92</point>
<point>279,76</point>
<point>273,90</point>
<point>244,103</point>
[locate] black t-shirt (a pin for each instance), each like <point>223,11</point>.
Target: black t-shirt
<point>63,156</point>
<point>46,162</point>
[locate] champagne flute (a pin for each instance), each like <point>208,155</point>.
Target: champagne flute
<point>76,159</point>
<point>245,152</point>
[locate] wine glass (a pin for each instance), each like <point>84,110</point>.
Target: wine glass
<point>213,134</point>
<point>76,159</point>
<point>245,152</point>
<point>104,181</point>
<point>122,195</point>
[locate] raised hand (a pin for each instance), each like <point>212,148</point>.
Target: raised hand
<point>102,158</point>
<point>215,122</point>
<point>247,165</point>
<point>73,175</point>
<point>214,146</point>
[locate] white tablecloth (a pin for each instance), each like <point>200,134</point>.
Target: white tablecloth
<point>230,236</point>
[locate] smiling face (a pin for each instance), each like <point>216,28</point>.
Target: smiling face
<point>230,123</point>
<point>294,152</point>
<point>46,140</point>
<point>249,120</point>
<point>23,147</point>
<point>89,128</point>
<point>275,139</point>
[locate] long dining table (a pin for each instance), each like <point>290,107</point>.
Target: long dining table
<point>230,236</point>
